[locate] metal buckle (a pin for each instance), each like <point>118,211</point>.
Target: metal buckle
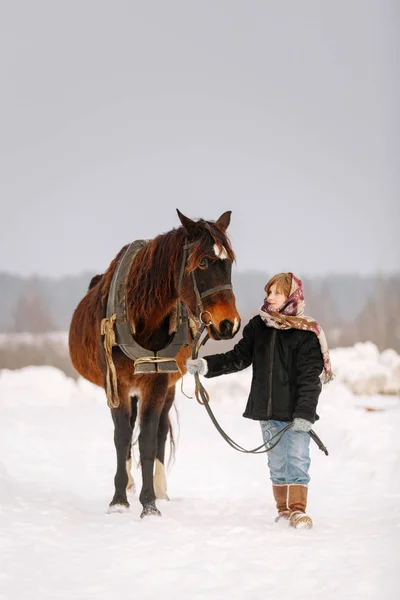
<point>203,312</point>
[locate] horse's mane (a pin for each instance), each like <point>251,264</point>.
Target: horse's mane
<point>152,275</point>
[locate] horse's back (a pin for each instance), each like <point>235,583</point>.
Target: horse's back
<point>85,344</point>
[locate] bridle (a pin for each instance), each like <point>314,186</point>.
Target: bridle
<point>199,296</point>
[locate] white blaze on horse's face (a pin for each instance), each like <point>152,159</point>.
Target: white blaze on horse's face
<point>235,325</point>
<point>220,252</point>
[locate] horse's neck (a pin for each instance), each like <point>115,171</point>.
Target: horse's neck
<point>157,332</point>
<point>154,330</point>
<point>162,335</point>
<point>150,313</point>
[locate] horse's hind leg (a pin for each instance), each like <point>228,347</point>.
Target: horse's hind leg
<point>160,480</point>
<point>152,403</point>
<point>122,440</point>
<point>131,484</point>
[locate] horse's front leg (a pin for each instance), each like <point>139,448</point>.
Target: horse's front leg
<point>150,410</point>
<point>160,480</point>
<point>122,440</point>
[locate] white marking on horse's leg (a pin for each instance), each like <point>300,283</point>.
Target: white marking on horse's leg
<point>134,391</point>
<point>220,252</point>
<point>131,484</point>
<point>235,325</point>
<point>160,481</point>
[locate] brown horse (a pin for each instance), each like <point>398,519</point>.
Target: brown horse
<point>190,267</point>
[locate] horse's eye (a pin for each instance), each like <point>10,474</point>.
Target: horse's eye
<point>203,264</point>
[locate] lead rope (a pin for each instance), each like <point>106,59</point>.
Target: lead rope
<point>200,390</point>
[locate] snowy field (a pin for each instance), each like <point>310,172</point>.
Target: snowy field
<point>362,368</point>
<point>217,538</point>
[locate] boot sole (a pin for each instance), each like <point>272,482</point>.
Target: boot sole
<point>302,523</point>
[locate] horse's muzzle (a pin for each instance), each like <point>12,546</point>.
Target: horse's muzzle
<point>227,329</point>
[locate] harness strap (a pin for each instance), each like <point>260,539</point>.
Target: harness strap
<point>197,293</point>
<point>181,275</point>
<point>107,329</point>
<point>124,331</point>
<point>218,288</point>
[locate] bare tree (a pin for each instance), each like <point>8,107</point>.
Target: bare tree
<point>379,321</point>
<point>31,313</point>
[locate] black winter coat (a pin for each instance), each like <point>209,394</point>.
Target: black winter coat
<point>286,368</point>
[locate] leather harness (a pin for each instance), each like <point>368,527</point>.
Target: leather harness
<point>148,361</point>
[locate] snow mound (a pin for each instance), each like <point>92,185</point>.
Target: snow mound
<point>44,386</point>
<point>366,371</point>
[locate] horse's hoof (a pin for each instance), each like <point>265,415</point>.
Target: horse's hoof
<point>118,508</point>
<point>150,509</point>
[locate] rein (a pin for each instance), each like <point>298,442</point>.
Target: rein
<point>202,392</point>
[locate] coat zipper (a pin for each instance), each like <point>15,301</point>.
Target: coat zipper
<point>271,366</point>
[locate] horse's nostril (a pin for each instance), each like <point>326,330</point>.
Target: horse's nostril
<point>226,328</point>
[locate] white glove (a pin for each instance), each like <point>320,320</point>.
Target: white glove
<point>301,425</point>
<point>196,365</point>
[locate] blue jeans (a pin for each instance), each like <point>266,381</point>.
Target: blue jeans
<point>289,461</point>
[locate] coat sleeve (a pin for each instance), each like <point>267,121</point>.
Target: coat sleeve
<point>237,359</point>
<point>309,368</point>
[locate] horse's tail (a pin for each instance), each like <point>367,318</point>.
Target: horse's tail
<point>94,281</point>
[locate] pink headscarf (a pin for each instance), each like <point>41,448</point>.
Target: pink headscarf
<point>291,316</point>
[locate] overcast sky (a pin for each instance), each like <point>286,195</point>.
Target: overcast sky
<point>115,113</point>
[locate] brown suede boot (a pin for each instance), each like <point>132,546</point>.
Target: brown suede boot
<point>297,504</point>
<point>280,495</point>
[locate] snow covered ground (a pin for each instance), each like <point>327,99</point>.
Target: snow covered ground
<point>362,368</point>
<point>217,538</point>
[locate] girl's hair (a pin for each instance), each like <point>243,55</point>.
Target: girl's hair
<point>283,282</point>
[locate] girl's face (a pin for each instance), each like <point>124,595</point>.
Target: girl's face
<point>275,299</point>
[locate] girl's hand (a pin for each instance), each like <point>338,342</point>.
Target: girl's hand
<point>196,365</point>
<point>301,425</point>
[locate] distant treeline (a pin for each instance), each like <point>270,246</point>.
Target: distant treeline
<point>351,308</point>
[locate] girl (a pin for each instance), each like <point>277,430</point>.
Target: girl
<point>290,358</point>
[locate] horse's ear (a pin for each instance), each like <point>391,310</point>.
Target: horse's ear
<point>224,220</point>
<point>188,225</point>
